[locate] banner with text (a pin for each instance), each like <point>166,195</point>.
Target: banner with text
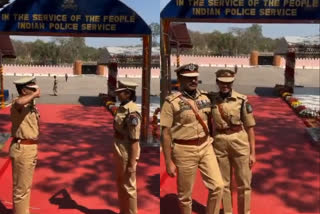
<point>98,17</point>
<point>244,10</point>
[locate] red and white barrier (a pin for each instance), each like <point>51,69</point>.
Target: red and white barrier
<point>229,61</point>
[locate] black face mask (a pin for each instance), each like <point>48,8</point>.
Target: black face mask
<point>124,102</point>
<point>190,93</point>
<point>225,95</point>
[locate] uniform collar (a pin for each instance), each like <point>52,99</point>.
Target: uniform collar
<point>231,96</point>
<point>197,93</point>
<point>125,105</point>
<point>234,94</point>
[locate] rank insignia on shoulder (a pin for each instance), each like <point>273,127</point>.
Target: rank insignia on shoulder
<point>133,120</point>
<point>249,108</point>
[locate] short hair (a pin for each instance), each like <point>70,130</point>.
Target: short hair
<point>133,96</point>
<point>19,88</point>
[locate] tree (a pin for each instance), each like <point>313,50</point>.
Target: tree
<point>23,52</point>
<point>70,48</point>
<point>200,44</point>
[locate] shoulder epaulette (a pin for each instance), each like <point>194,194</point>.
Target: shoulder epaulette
<point>173,96</point>
<point>204,92</point>
<point>132,107</point>
<point>240,96</point>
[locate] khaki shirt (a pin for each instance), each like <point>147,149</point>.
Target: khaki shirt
<point>25,123</point>
<point>178,115</point>
<point>236,109</point>
<point>127,122</point>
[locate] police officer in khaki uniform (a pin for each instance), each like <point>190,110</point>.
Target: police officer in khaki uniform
<point>127,124</point>
<point>55,86</point>
<point>234,140</point>
<point>186,142</point>
<point>24,146</point>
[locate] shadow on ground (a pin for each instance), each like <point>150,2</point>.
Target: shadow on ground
<point>170,204</point>
<point>76,154</point>
<point>287,168</point>
<point>90,101</point>
<point>153,183</point>
<point>64,201</point>
<point>4,210</point>
<point>290,165</point>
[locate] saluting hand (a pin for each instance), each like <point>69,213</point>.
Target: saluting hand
<point>171,169</point>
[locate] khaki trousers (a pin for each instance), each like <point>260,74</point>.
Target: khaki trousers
<point>233,152</point>
<point>126,182</point>
<point>187,160</point>
<point>24,160</point>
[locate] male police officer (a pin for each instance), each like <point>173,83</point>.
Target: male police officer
<point>234,140</point>
<point>187,144</point>
<point>23,150</point>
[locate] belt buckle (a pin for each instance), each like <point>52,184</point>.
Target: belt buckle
<point>18,141</point>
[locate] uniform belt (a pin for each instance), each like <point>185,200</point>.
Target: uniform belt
<point>196,141</point>
<point>25,141</point>
<point>231,130</point>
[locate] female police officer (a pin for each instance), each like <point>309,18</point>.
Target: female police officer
<point>126,146</point>
<point>234,140</point>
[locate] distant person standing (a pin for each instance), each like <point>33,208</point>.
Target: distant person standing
<point>55,86</point>
<point>66,76</point>
<point>24,146</point>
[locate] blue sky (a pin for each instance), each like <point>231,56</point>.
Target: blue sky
<point>149,10</point>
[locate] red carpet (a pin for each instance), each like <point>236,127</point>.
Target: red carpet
<point>75,161</point>
<point>286,178</point>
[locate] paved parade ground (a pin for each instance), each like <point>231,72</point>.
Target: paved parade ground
<point>85,89</point>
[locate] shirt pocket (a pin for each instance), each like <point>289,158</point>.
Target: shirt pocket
<point>235,118</point>
<point>187,117</point>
